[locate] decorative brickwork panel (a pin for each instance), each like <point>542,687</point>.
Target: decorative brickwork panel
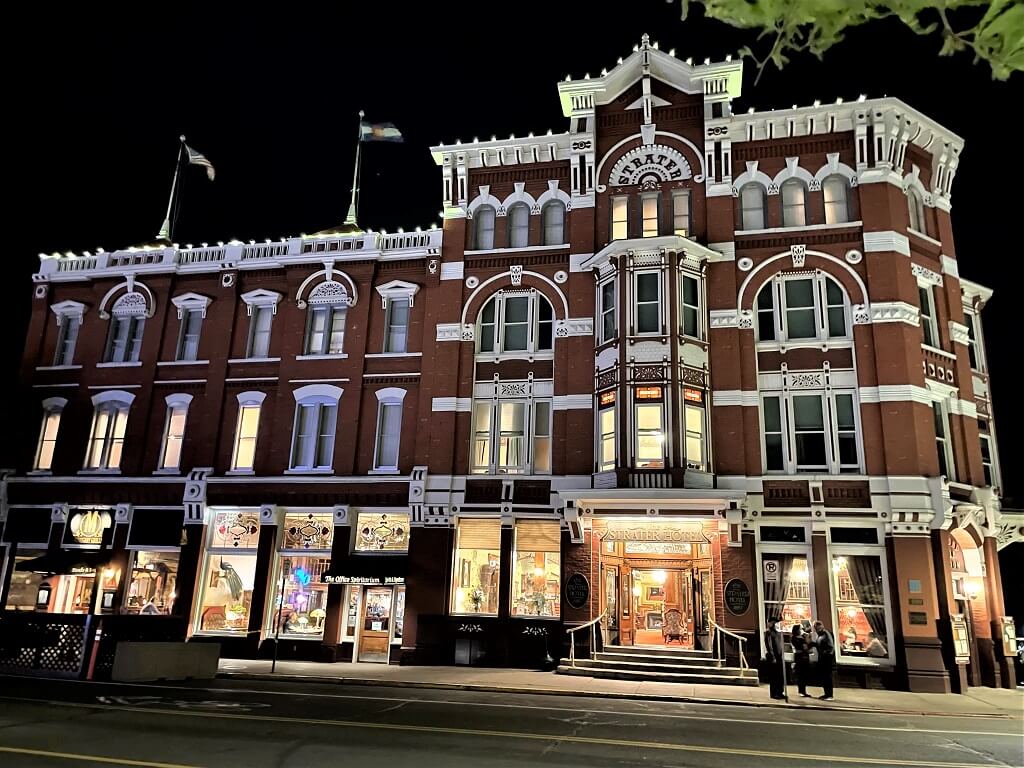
<point>483,491</point>
<point>532,492</point>
<point>786,493</point>
<point>852,494</point>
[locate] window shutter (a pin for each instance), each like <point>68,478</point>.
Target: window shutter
<point>480,534</point>
<point>538,536</point>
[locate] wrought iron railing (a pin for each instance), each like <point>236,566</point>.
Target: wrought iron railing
<point>717,644</point>
<point>593,638</point>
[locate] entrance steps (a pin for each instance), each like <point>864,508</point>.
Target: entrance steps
<point>659,664</point>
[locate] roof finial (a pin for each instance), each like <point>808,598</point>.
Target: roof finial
<point>645,40</point>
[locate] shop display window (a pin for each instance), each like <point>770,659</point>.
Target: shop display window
<point>536,573</point>
<point>225,598</point>
<point>477,567</point>
<point>787,592</point>
<point>152,583</point>
<point>859,593</point>
<point>303,609</point>
<point>382,532</point>
<point>24,589</point>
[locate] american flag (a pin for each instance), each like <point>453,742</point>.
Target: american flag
<point>195,158</point>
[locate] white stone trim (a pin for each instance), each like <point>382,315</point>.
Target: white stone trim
<point>54,404</point>
<point>925,275</point>
<point>949,266</point>
<point>251,398</point>
<point>572,402</point>
<point>329,275</point>
<point>261,297</point>
<point>397,289</point>
<point>753,176</point>
<point>895,312</point>
<point>574,326</point>
<point>833,166</point>
<point>895,393</point>
<point>958,333</point>
<point>724,318</point>
<point>452,270</point>
<point>577,260</point>
<point>64,309</point>
<point>455,332</point>
<point>113,395</point>
<point>191,301</point>
<point>180,398</point>
<point>451,404</point>
<point>793,170</point>
<point>742,397</point>
<point>319,392</point>
<point>963,408</point>
<point>390,395</point>
<point>887,240</point>
<point>726,249</point>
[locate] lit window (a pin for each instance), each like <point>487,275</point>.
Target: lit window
<point>52,409</point>
<point>650,436</point>
<point>152,583</point>
<point>518,225</point>
<point>396,331</point>
<point>542,437</point>
<point>313,440</point>
<point>608,325</point>
<point>389,428</point>
<point>606,449</point>
<point>174,430</point>
<point>648,302</point>
<point>229,576</point>
<point>109,422</point>
<point>519,443</point>
<point>244,453</point>
<point>649,215</point>
<point>483,228</point>
<point>794,203</point>
<point>752,206</point>
<point>481,460</point>
<point>299,609</point>
<point>681,212</point>
<point>694,436</point>
<point>516,321</point>
<point>836,193</point>
<point>553,215</point>
<point>691,307</point>
<point>620,218</point>
<point>382,532</point>
<point>188,337</point>
<point>536,571</point>
<point>786,583</point>
<point>915,206</point>
<point>929,320</point>
<point>476,578</point>
<point>861,626</point>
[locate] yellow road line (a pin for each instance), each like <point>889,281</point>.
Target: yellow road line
<point>91,758</point>
<point>717,750</point>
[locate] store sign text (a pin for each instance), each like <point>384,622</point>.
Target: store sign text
<point>656,534</point>
<point>370,580</point>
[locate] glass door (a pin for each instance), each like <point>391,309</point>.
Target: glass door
<point>611,605</point>
<point>375,632</point>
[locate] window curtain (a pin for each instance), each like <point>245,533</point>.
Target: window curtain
<point>775,591</point>
<point>866,573</point>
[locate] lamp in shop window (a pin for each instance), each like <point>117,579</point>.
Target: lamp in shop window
<point>838,563</point>
<point>658,577</point>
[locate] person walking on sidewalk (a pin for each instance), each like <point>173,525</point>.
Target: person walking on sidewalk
<point>801,659</point>
<point>774,654</point>
<point>826,658</point>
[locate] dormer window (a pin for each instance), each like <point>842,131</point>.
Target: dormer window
<point>516,321</point>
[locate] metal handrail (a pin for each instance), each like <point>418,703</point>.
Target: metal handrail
<point>719,631</point>
<point>572,637</point>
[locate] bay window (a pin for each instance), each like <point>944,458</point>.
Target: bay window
<point>512,437</point>
<point>229,574</point>
<point>316,415</point>
<point>536,569</point>
<point>810,431</point>
<point>620,218</point>
<point>516,321</point>
<point>648,302</point>
<point>174,431</point>
<point>859,589</point>
<point>798,308</point>
<point>608,316</point>
<point>52,409</point>
<point>690,310</point>
<point>694,426</point>
<point>650,432</point>
<point>110,420</point>
<point>681,212</point>
<point>606,448</point>
<point>477,566</point>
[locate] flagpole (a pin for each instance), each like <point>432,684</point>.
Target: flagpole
<point>350,218</point>
<point>165,228</point>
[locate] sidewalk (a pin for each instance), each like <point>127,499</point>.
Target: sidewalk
<point>979,702</point>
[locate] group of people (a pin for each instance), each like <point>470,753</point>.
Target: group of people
<point>805,641</point>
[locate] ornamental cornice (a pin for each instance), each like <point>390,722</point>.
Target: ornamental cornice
<point>895,312</point>
<point>959,333</point>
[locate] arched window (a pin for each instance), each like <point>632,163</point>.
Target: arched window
<point>794,203</point>
<point>518,225</point>
<point>554,222</point>
<point>916,205</point>
<point>325,327</point>
<point>516,321</point>
<point>127,321</point>
<point>109,422</point>
<point>316,416</point>
<point>836,192</point>
<point>483,228</point>
<point>797,307</point>
<point>752,206</point>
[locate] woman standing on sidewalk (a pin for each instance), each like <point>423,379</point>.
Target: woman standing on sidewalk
<point>801,659</point>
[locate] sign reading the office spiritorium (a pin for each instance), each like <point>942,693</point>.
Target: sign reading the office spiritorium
<point>328,578</point>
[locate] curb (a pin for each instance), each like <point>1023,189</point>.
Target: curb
<point>483,688</point>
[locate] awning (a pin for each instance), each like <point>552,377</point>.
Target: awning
<point>65,562</point>
<point>367,569</point>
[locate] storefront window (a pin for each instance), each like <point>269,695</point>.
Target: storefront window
<point>302,611</point>
<point>537,568</point>
<point>25,585</point>
<point>382,532</point>
<point>226,598</point>
<point>859,592</point>
<point>151,583</point>
<point>351,611</point>
<point>477,566</point>
<point>309,531</point>
<point>399,612</point>
<point>787,593</point>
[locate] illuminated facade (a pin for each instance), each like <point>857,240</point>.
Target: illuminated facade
<point>677,366</point>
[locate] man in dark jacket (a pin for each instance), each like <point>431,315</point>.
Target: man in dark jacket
<point>826,657</point>
<point>774,654</point>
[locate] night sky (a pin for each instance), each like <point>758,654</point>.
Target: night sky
<point>97,100</point>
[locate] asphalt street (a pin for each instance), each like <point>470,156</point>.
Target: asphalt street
<point>256,725</point>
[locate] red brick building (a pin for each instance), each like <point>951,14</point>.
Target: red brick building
<point>677,367</point>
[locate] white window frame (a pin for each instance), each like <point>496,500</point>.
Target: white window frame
<point>53,409</point>
<point>832,464</point>
<point>940,413</point>
<point>681,195</point>
<point>69,316</point>
<point>792,208</point>
<point>995,481</point>
<point>603,437</point>
<point>396,290</point>
<point>479,242</point>
<point>257,302</point>
<point>845,208</point>
<point>545,212</point>
<point>848,550</point>
<point>654,197</point>
<point>975,340</point>
<point>494,436</point>
<point>619,228</point>
<point>915,211</point>
<point>513,228</point>
<point>697,308</point>
<point>663,405</point>
<point>333,313</point>
<point>533,321</point>
<point>703,463</point>
<point>760,210</point>
<point>188,304</point>
<point>114,403</point>
<point>780,317</point>
<point>322,397</point>
<point>251,400</point>
<point>804,550</point>
<point>174,402</point>
<point>929,315</point>
<point>604,310</point>
<point>135,327</point>
<point>635,309</point>
<point>392,397</point>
